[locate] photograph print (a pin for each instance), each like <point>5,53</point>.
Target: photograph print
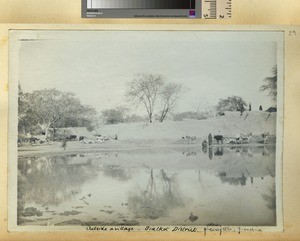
<point>145,128</point>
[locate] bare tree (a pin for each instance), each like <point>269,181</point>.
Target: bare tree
<point>271,85</point>
<point>144,88</point>
<point>169,94</point>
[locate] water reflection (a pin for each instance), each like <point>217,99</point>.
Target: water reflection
<point>233,180</point>
<point>153,187</point>
<point>154,200</point>
<point>210,153</point>
<point>117,172</point>
<point>219,151</point>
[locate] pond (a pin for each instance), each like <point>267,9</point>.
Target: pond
<point>149,186</point>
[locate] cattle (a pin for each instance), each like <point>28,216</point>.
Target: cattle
<point>72,138</point>
<point>265,136</point>
<point>219,138</point>
<point>190,139</point>
<point>241,139</point>
<point>32,140</point>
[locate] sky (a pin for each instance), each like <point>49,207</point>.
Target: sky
<point>97,65</point>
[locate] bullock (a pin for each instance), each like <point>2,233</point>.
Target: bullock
<point>32,140</point>
<point>265,136</point>
<point>190,139</point>
<point>219,138</point>
<point>72,138</point>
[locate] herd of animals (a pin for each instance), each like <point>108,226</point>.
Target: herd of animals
<point>212,139</point>
<point>83,139</point>
<point>220,139</point>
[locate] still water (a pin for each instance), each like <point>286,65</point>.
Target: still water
<point>158,186</point>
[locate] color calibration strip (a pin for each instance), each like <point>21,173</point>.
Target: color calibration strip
<point>206,9</point>
<point>141,4</point>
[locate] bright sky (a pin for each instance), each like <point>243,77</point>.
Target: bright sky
<point>96,65</point>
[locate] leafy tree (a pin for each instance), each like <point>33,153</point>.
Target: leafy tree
<point>190,115</point>
<point>25,114</point>
<point>115,116</point>
<point>86,116</point>
<point>134,118</point>
<point>144,89</point>
<point>271,85</point>
<point>53,108</point>
<point>233,103</point>
<point>169,94</point>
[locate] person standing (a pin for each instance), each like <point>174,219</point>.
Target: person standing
<point>64,143</point>
<point>210,139</point>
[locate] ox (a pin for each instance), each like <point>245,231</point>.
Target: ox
<point>219,138</point>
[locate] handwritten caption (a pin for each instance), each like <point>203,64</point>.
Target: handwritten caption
<point>205,230</point>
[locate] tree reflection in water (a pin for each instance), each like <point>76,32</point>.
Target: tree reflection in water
<point>152,203</point>
<point>233,180</point>
<point>51,180</point>
<point>117,172</point>
<point>270,198</point>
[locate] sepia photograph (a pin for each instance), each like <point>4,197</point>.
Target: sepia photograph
<point>145,129</point>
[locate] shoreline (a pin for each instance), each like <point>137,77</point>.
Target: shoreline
<point>56,148</point>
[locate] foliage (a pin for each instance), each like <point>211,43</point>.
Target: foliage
<point>271,85</point>
<point>144,88</point>
<point>190,115</point>
<point>134,118</point>
<point>115,116</point>
<point>51,108</point>
<point>233,103</point>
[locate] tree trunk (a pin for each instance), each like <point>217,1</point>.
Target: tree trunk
<point>150,117</point>
<point>164,114</point>
<point>45,127</point>
<point>47,130</point>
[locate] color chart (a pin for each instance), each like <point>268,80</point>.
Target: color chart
<point>207,9</point>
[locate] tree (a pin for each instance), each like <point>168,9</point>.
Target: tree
<point>85,116</point>
<point>271,85</point>
<point>144,88</point>
<point>25,114</point>
<point>51,107</point>
<point>169,94</point>
<point>115,116</point>
<point>233,103</point>
<point>134,118</point>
